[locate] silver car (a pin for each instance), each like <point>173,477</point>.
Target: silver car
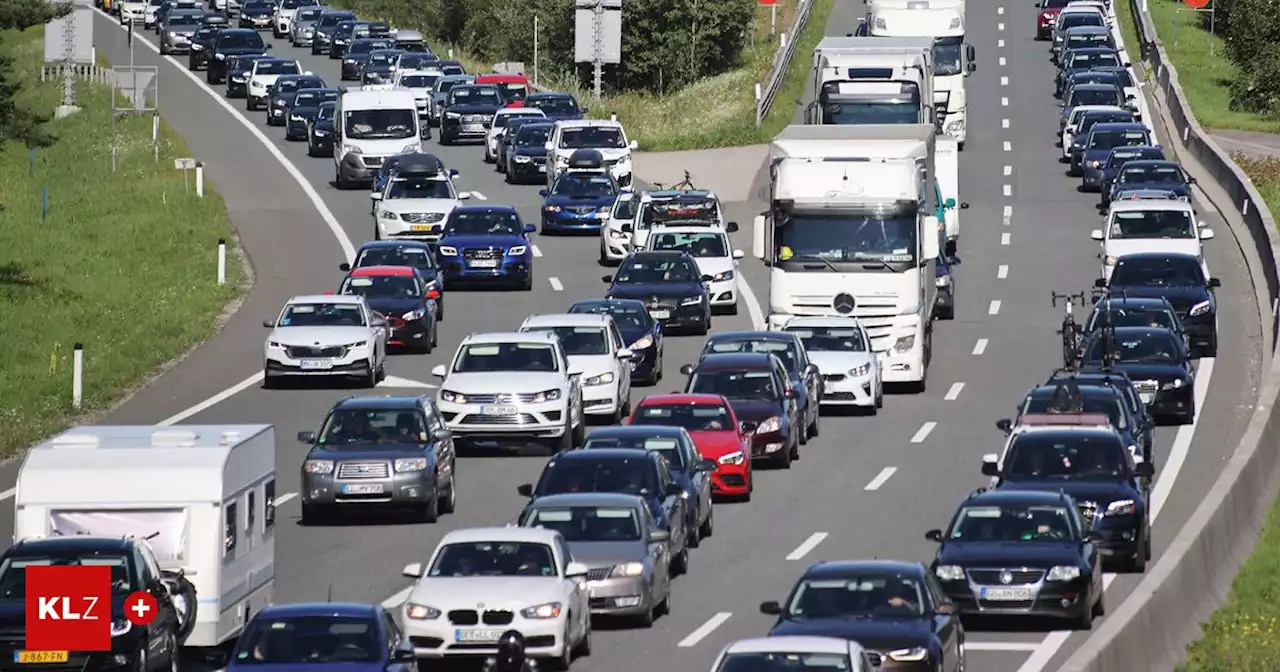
<point>440,93</point>
<point>628,556</point>
<point>177,30</point>
<point>303,26</point>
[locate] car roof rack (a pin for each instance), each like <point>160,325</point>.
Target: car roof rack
<point>420,164</point>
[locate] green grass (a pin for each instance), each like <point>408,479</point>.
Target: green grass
<point>125,263</point>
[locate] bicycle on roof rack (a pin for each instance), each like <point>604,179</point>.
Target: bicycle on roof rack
<point>686,185</point>
<point>1070,331</point>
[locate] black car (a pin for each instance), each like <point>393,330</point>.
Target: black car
<point>320,130</point>
<point>379,66</point>
<point>1021,553</point>
<point>1096,93</point>
<point>256,14</point>
<point>356,54</point>
<point>1116,161</point>
<point>895,610</point>
<point>468,112</point>
<point>802,374</point>
<point>625,470</point>
<point>325,27</point>
<point>304,109</point>
<point>1095,398</point>
<point>670,284</point>
<point>341,38</point>
<point>229,44</point>
<point>280,96</point>
<point>238,69</point>
<point>1161,174</point>
<point>202,46</point>
<point>275,634</point>
<point>758,391</point>
<point>1081,133</point>
<point>557,106</point>
<point>133,568</point>
<point>1180,279</point>
<point>507,138</point>
<point>1121,310</point>
<point>1116,380</point>
<point>1156,360</point>
<point>1083,59</point>
<point>1092,77</point>
<point>451,67</point>
<point>405,297</point>
<point>1093,465</point>
<point>524,159</point>
<point>364,29</point>
<point>642,333</point>
<point>412,253</point>
<point>379,451</point>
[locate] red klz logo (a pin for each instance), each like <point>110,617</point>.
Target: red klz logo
<point>68,608</point>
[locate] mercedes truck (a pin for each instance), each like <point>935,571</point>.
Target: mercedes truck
<point>865,80</point>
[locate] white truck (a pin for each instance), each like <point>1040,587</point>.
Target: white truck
<point>864,80</point>
<point>943,21</point>
<point>853,230</point>
<point>202,496</point>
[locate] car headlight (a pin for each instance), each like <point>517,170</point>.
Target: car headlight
<point>905,343</point>
<point>546,395</point>
<point>411,464</point>
<point>420,612</point>
<point>453,397</point>
<point>1095,164</point>
<point>120,627</point>
<point>1172,385</point>
<point>452,115</point>
<point>642,344</point>
<point>1110,260</point>
<point>321,134</point>
<point>358,344</point>
<point>411,148</point>
<point>220,57</point>
<point>318,466</point>
<point>949,573</point>
<point>351,149</point>
<point>517,250</point>
<point>172,36</point>
<point>913,654</point>
<point>350,61</point>
<point>691,300</point>
<point>955,127</point>
<point>736,457</point>
<point>721,277</point>
<point>1121,507</point>
<point>955,24</point>
<point>771,425</point>
<point>629,569</point>
<point>619,235</point>
<point>238,79</point>
<point>542,611</point>
<point>1201,308</point>
<point>294,117</point>
<point>197,47</point>
<point>562,159</point>
<point>860,371</point>
<point>942,281</point>
<point>1063,573</point>
<point>413,315</point>
<point>602,379</point>
<point>551,208</point>
<point>447,251</point>
<point>522,159</point>
<point>880,24</point>
<point>275,345</point>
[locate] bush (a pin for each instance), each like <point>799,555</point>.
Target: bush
<point>1253,44</point>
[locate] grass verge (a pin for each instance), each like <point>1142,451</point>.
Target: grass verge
<point>125,262</point>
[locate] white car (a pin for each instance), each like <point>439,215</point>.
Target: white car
<point>593,343</point>
<point>415,205</point>
<point>151,14</point>
<point>420,83</point>
<point>794,652</point>
<point>513,387</point>
<point>326,335</point>
<point>670,207</point>
<point>710,248</point>
<point>133,11</point>
<point>602,135</point>
<point>498,128</point>
<point>1167,226</point>
<point>615,233</point>
<point>264,73</point>
<point>282,22</point>
<point>484,581</point>
<point>841,349</point>
<point>1073,123</point>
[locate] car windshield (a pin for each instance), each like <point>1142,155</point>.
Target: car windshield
<point>745,385</point>
<point>322,315</point>
<point>699,244</point>
<point>1087,60</point>
<point>650,269</point>
<point>1152,347</point>
<point>237,40</point>
<point>255,6</point>
<point>514,90</point>
<point>327,112</point>
<point>309,640</point>
<point>1160,174</point>
<point>776,661</point>
<point>418,81</point>
<point>831,339</point>
<point>1162,272</point>
<point>335,18</point>
<point>269,67</point>
<point>414,186</point>
<point>13,574</point>
<point>381,124</point>
<point>583,185</point>
<point>626,317</point>
<point>1052,455</point>
<point>418,60</point>
<point>533,137</point>
<point>1087,40</point>
<point>494,558</point>
<point>554,106</point>
<point>382,286</point>
<point>847,597</point>
<point>475,95</point>
<point>1119,157</point>
<point>1092,96</point>
<point>307,14</point>
<point>501,120</point>
<point>678,210</point>
<point>382,425</point>
<point>783,349</point>
<point>1113,139</point>
<point>579,340</point>
<point>587,523</point>
<point>492,357</point>
<point>1121,75</point>
<point>624,208</point>
<point>453,69</point>
<point>1088,121</point>
<point>313,98</point>
<point>1166,224</point>
<point>184,20</point>
<point>416,257</point>
<point>1074,19</point>
<point>1013,523</point>
<point>290,85</point>
<point>626,475</point>
<point>1099,401</point>
<point>667,447</point>
<point>382,57</point>
<point>596,137</point>
<point>484,223</point>
<point>1128,316</point>
<point>693,417</point>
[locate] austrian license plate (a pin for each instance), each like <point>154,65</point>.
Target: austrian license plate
<point>40,656</point>
<point>362,489</point>
<point>474,128</point>
<point>660,314</point>
<point>1006,594</point>
<point>1147,397</point>
<point>498,410</point>
<point>478,636</point>
<point>483,263</point>
<point>316,364</point>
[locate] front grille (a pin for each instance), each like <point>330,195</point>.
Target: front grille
<point>582,209</point>
<point>304,352</point>
<point>1007,605</point>
<point>599,573</point>
<point>482,253</point>
<point>833,377</point>
<point>498,617</point>
<point>1088,511</point>
<point>422,217</point>
<point>503,398</point>
<point>521,419</point>
<point>349,471</point>
<point>464,617</point>
<point>1146,386</point>
<point>991,577</point>
<point>661,303</point>
<point>475,119</point>
<point>372,161</point>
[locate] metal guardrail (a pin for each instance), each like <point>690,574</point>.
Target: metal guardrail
<point>781,59</point>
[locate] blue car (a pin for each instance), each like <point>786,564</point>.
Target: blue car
<point>638,329</point>
<point>277,636</point>
<point>412,253</point>
<point>578,201</point>
<point>1102,139</point>
<point>1166,176</point>
<point>557,106</point>
<point>944,307</point>
<point>1117,160</point>
<point>304,110</point>
<point>487,243</point>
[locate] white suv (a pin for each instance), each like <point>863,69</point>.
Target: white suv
<point>604,136</point>
<point>514,386</point>
<point>415,204</point>
<point>710,248</point>
<point>326,335</point>
<point>1151,225</point>
<point>593,343</point>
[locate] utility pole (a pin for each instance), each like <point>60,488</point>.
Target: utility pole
<point>597,64</point>
<point>597,37</point>
<point>69,60</point>
<point>535,50</point>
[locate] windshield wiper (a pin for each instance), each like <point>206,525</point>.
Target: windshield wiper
<point>809,258</point>
<point>876,262</point>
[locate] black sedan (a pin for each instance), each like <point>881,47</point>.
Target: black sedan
<point>238,68</point>
<point>756,386</point>
<point>281,95</point>
<point>305,109</point>
<point>1122,310</point>
<point>359,52</point>
<point>507,137</point>
<point>524,158</point>
<point>379,67</point>
<point>803,374</point>
<point>228,46</point>
<point>1180,279</point>
<point>202,47</point>
<point>1156,360</point>
<point>405,297</point>
<point>412,253</point>
<point>1080,134</point>
<point>669,282</point>
<point>320,130</point>
<point>1115,163</point>
<point>1092,397</point>
<point>642,333</point>
<point>256,14</point>
<point>1163,175</point>
<point>1020,553</point>
<point>893,609</point>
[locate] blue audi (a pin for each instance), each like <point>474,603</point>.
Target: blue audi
<point>578,201</point>
<point>486,244</point>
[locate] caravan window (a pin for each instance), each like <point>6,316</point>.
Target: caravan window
<point>230,530</point>
<point>249,517</point>
<point>269,503</point>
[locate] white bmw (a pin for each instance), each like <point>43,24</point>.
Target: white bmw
<point>326,335</point>
<point>841,349</point>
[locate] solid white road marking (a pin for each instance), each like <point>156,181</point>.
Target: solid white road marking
<point>1003,62</point>
<point>8,494</point>
<point>954,392</point>
<point>705,629</point>
<point>753,304</point>
<point>994,309</point>
<point>1008,146</point>
<point>396,381</point>
<point>1004,81</point>
<point>479,196</point>
<point>806,547</point>
<point>980,347</point>
<point>537,251</point>
<point>555,284</point>
<point>1008,190</point>
<point>284,498</point>
<point>923,433</point>
<point>881,478</point>
<point>1004,238</point>
<point>1002,271</point>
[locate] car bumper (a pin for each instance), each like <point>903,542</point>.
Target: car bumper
<point>1121,537</point>
<point>1091,178</point>
<point>350,70</point>
<point>1068,599</point>
<point>600,399</point>
<point>547,420</point>
<point>178,47</point>
<point>123,657</point>
<point>903,367</point>
<point>1202,330</point>
<point>300,40</point>
<point>507,272</point>
<point>844,390</point>
<point>767,446</point>
<point>458,131</point>
<point>723,293</point>
<point>731,480</point>
<point>629,596</point>
<point>1177,401</point>
<point>617,244</point>
<point>237,88</point>
<point>277,366</point>
<point>681,317</point>
<point>278,115</point>
<point>528,171</point>
<point>410,334</point>
<point>563,222</point>
<point>644,363</point>
<point>439,639</point>
<point>407,489</point>
<point>354,169</point>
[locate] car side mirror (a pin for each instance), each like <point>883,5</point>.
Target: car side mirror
<point>525,490</point>
<point>268,46</point>
<point>404,656</point>
<point>934,535</point>
<point>1100,283</point>
<point>607,279</point>
<point>413,570</point>
<point>1214,282</point>
<point>705,465</point>
<point>990,468</point>
<point>633,145</point>
<point>530,228</point>
<point>674,490</point>
<point>1145,470</point>
<point>1191,180</point>
<point>306,437</point>
<point>375,195</point>
<point>624,354</point>
<point>270,324</point>
<point>548,146</point>
<point>542,193</point>
<point>442,435</point>
<point>627,228</point>
<point>464,196</point>
<point>1206,234</point>
<point>739,254</point>
<point>439,371</point>
<point>344,267</point>
<point>1005,425</point>
<point>658,536</point>
<point>946,609</point>
<point>575,569</point>
<point>1096,234</point>
<point>731,227</point>
<point>789,393</point>
<point>771,608</point>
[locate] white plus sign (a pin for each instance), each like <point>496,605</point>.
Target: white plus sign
<point>141,608</point>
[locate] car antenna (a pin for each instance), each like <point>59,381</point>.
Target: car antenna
<point>329,597</point>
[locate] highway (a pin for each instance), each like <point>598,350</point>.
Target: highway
<point>870,486</point>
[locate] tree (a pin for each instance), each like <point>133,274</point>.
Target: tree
<point>17,123</point>
<point>1253,45</point>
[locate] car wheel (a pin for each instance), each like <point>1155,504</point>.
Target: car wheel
<point>604,259</point>
<point>449,502</point>
<point>564,443</point>
<point>507,177</point>
<point>879,398</point>
<point>680,566</point>
<point>1209,349</point>
<point>528,282</point>
<point>693,533</point>
<point>584,647</point>
<point>646,619</point>
<point>664,607</point>
<point>814,430</point>
<point>795,450</point>
<point>708,526</point>
<point>370,376</point>
<point>784,456</point>
<point>429,512</point>
<point>313,514</point>
<point>140,661</point>
<point>1138,563</point>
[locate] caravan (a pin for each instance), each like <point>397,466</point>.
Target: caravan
<point>202,496</point>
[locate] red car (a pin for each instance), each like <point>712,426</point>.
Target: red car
<point>515,88</point>
<point>711,422</point>
<point>1049,11</point>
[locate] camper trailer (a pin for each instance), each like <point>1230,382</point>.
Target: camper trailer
<point>202,496</point>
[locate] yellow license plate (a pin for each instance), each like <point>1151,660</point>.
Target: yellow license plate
<point>423,227</point>
<point>40,656</point>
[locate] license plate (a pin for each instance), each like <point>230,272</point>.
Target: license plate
<point>40,656</point>
<point>542,169</point>
<point>660,314</point>
<point>423,227</point>
<point>498,410</point>
<point>483,263</point>
<point>362,489</point>
<point>477,636</point>
<point>1006,594</point>
<point>473,127</point>
<point>316,364</point>
<point>1147,397</point>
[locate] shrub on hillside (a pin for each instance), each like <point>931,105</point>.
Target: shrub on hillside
<point>1253,45</point>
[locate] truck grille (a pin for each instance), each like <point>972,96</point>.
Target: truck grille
<point>421,217</point>
<point>372,161</point>
<point>354,471</point>
<point>991,577</point>
<point>521,419</point>
<point>304,352</point>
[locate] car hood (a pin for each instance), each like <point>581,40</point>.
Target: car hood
<point>643,290</point>
<point>1146,371</point>
<point>283,99</point>
<point>1136,245</point>
<point>266,79</point>
<point>839,363</point>
<point>1182,297</point>
<point>321,336</point>
<point>593,365</point>
<point>715,444</point>
<point>529,151</point>
<point>503,381</point>
<point>307,112</point>
<point>1096,154</point>
<point>714,265</point>
<point>877,634</point>
<point>632,334</point>
<point>325,125</point>
<point>241,51</point>
<point>751,410</point>
<point>395,306</point>
<point>496,592</point>
<point>474,109</point>
<point>581,201</point>
<point>256,13</point>
<point>1175,189</point>
<point>418,204</point>
<point>1033,554</point>
<point>482,241</point>
<point>383,451</point>
<point>607,553</point>
<point>386,146</point>
<point>1101,492</point>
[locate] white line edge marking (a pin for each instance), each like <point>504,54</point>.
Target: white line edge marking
<point>994,309</point>
<point>999,10</point>
<point>8,494</point>
<point>705,629</point>
<point>1004,238</point>
<point>954,392</point>
<point>980,347</point>
<point>398,599</point>
<point>537,251</point>
<point>923,433</point>
<point>881,478</point>
<point>555,284</point>
<point>1002,272</point>
<point>806,547</point>
<point>999,26</point>
<point>1000,44</point>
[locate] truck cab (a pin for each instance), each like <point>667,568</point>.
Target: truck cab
<point>862,80</point>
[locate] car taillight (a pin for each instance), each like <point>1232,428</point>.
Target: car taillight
<point>433,294</point>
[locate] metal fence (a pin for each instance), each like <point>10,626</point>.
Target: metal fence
<point>768,90</point>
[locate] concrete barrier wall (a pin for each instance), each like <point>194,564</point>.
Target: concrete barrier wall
<point>1152,629</point>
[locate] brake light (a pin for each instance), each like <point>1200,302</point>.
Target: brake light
<point>433,294</point>
<point>328,293</point>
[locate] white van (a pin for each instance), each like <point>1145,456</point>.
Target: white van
<point>368,127</point>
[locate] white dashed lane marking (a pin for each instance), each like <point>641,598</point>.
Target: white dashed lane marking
<point>806,547</point>
<point>1007,146</point>
<point>1008,190</point>
<point>1003,62</point>
<point>954,392</point>
<point>705,629</point>
<point>1000,44</point>
<point>1002,272</point>
<point>1004,123</point>
<point>1004,102</point>
<point>1005,237</point>
<point>994,309</point>
<point>980,347</point>
<point>923,433</point>
<point>1004,81</point>
<point>537,252</point>
<point>999,10</point>
<point>555,284</point>
<point>999,26</point>
<point>479,196</point>
<point>1008,170</point>
<point>881,478</point>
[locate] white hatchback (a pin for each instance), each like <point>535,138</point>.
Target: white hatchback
<point>710,248</point>
<point>841,349</point>
<point>498,128</point>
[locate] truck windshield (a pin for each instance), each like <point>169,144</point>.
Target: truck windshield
<point>946,55</point>
<point>870,102</point>
<point>868,240</point>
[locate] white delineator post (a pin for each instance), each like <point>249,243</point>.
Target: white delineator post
<point>222,261</point>
<point>200,179</point>
<point>77,375</point>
